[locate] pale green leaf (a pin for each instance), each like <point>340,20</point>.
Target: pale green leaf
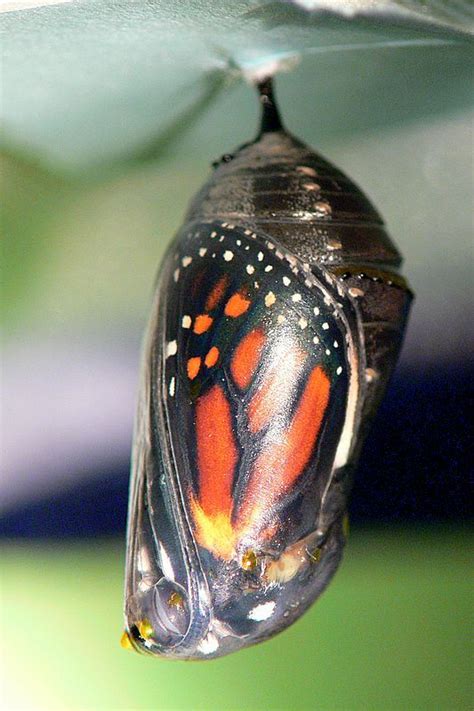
<point>109,84</point>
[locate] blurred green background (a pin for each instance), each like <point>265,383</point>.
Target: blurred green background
<point>391,633</point>
<point>112,115</point>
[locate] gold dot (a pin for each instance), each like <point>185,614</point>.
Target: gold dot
<point>176,600</point>
<point>315,555</point>
<point>125,641</point>
<point>145,629</point>
<point>249,560</point>
<point>370,375</point>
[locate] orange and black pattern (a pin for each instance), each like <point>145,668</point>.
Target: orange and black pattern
<point>254,378</point>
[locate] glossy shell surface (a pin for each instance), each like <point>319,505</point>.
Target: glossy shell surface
<point>277,320</point>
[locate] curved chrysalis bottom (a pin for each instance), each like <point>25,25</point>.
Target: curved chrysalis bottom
<point>277,320</point>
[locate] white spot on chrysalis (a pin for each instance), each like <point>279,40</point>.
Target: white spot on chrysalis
<point>270,298</point>
<point>209,644</point>
<point>171,348</point>
<point>262,612</point>
<point>172,386</point>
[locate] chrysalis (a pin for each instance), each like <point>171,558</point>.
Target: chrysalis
<point>277,320</point>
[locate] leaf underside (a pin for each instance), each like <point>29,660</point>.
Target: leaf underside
<point>101,85</point>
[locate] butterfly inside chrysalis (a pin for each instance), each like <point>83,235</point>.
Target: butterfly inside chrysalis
<point>277,321</point>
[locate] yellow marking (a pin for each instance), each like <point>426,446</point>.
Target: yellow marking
<point>315,556</point>
<point>214,532</point>
<point>125,641</point>
<point>145,629</point>
<point>249,560</point>
<point>370,375</point>
<point>176,600</point>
